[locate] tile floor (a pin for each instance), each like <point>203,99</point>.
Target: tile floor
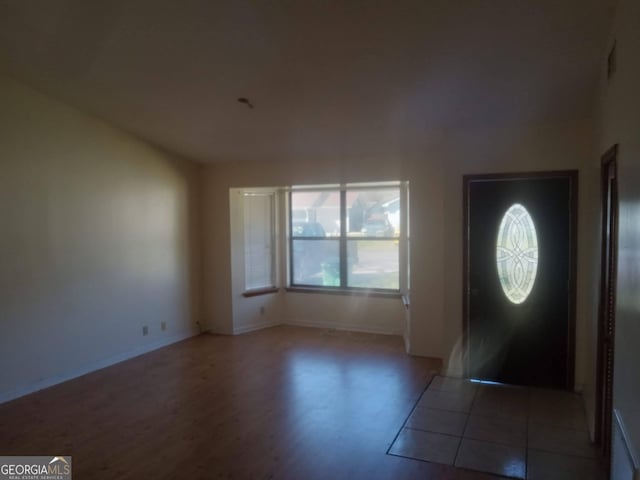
<point>517,432</point>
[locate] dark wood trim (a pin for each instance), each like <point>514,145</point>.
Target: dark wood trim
<point>260,291</point>
<point>606,303</point>
<point>492,177</point>
<point>573,284</point>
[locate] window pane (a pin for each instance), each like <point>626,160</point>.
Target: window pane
<point>316,262</point>
<point>373,213</point>
<point>315,214</point>
<point>373,264</point>
<point>258,241</point>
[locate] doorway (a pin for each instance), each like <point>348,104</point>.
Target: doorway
<point>519,277</point>
<point>606,309</point>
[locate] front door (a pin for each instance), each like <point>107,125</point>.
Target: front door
<point>519,265</point>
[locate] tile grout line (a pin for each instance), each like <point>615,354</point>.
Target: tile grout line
<point>554,426</point>
<point>462,437</point>
<point>432,432</point>
<point>562,454</point>
<point>495,443</point>
<point>445,410</point>
<point>402,427</point>
<point>467,417</point>
<point>475,394</point>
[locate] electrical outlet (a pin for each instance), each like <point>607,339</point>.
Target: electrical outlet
<point>163,326</point>
<point>261,310</point>
<point>145,330</point>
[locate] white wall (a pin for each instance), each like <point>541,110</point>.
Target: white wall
<point>620,123</point>
<point>345,312</point>
<point>97,239</point>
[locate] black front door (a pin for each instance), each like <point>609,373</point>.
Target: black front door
<point>519,283</point>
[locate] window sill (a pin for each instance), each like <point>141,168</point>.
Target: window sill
<point>345,292</point>
<point>260,291</point>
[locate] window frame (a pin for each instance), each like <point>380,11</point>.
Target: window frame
<point>343,240</point>
<point>272,201</point>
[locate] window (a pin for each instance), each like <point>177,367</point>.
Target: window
<point>346,237</point>
<point>517,253</point>
<point>259,238</point>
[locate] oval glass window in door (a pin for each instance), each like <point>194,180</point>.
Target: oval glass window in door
<point>517,253</point>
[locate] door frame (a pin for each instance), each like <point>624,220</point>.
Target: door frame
<point>572,175</point>
<point>607,299</point>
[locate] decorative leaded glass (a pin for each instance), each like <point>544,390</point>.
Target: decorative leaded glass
<point>517,253</point>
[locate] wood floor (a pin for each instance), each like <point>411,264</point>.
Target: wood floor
<point>282,403</point>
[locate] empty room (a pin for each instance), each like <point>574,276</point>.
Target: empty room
<point>320,239</point>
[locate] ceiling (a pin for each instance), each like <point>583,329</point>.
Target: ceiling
<point>325,77</point>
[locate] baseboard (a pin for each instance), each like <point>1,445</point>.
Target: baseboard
<point>625,464</point>
<point>343,326</point>
<point>92,367</point>
<point>254,327</point>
